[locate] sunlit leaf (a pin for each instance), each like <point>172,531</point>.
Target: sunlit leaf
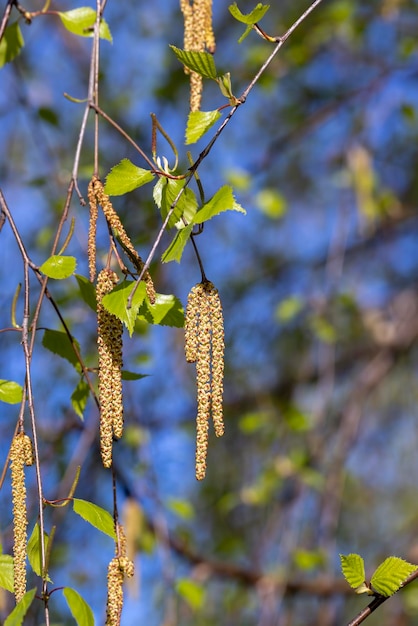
<point>223,200</point>
<point>249,18</point>
<point>79,608</point>
<point>271,203</point>
<point>198,123</point>
<point>59,267</point>
<point>34,550</point>
<point>10,392</point>
<point>81,22</point>
<point>116,303</point>
<point>390,575</point>
<point>125,177</point>
<point>175,250</point>
<point>79,397</point>
<point>17,616</point>
<point>352,566</point>
<point>6,572</point>
<point>166,311</point>
<point>11,43</point>
<point>95,515</point>
<point>59,343</point>
<point>200,62</point>
<point>87,291</point>
<point>186,204</point>
<point>191,591</point>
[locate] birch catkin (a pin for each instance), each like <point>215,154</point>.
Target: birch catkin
<point>21,454</point>
<point>198,35</point>
<point>119,568</point>
<point>204,344</point>
<point>109,344</point>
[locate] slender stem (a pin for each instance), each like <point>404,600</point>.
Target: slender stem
<point>5,17</point>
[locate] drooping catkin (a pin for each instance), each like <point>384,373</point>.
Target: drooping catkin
<point>21,454</point>
<point>204,344</point>
<point>91,245</point>
<point>113,220</point>
<point>198,35</point>
<point>109,345</point>
<point>119,568</point>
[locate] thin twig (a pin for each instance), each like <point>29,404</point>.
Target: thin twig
<point>5,17</point>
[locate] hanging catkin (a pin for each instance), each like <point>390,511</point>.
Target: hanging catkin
<point>109,344</point>
<point>204,344</point>
<point>21,454</point>
<point>119,568</point>
<point>198,36</point>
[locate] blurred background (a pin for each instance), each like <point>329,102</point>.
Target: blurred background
<point>319,289</point>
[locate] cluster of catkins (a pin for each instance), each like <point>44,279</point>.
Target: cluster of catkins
<point>204,345</point>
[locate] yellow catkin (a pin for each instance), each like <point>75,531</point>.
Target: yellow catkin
<point>204,344</point>
<point>218,349</point>
<point>198,35</point>
<point>20,455</point>
<point>120,567</point>
<point>115,223</point>
<point>109,344</point>
<point>91,245</point>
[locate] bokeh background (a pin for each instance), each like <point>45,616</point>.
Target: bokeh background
<point>319,288</point>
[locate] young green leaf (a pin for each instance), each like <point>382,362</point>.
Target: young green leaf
<point>79,397</point>
<point>116,303</point>
<point>59,267</point>
<point>79,608</point>
<point>11,43</point>
<point>58,342</point>
<point>6,572</point>
<point>390,575</point>
<point>174,251</point>
<point>249,18</point>
<point>192,592</point>
<point>225,86</point>
<point>182,508</point>
<point>125,177</point>
<point>34,550</point>
<point>223,200</point>
<point>126,375</point>
<point>81,22</point>
<point>10,392</point>
<point>200,62</point>
<point>186,205</point>
<point>166,311</point>
<point>352,566</point>
<point>198,123</point>
<point>95,515</point>
<point>87,291</point>
<point>17,616</point>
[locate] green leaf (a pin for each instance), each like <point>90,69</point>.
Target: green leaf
<point>175,250</point>
<point>11,43</point>
<point>81,22</point>
<point>59,343</point>
<point>17,615</point>
<point>59,267</point>
<point>165,196</point>
<point>225,86</point>
<point>249,18</point>
<point>95,515</point>
<point>10,392</point>
<point>125,177</point>
<point>79,397</point>
<point>223,200</point>
<point>198,123</point>
<point>167,311</point>
<point>289,308</point>
<point>271,203</point>
<point>6,572</point>
<point>182,508</point>
<point>200,62</point>
<point>116,303</point>
<point>192,592</point>
<point>87,291</point>
<point>390,575</point>
<point>34,550</point>
<point>352,566</point>
<point>132,375</point>
<point>79,608</point>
